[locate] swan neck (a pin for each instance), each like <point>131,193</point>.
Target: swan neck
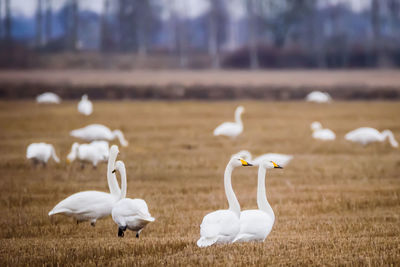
<point>238,117</point>
<point>120,136</point>
<point>111,178</point>
<point>387,134</point>
<point>262,201</point>
<point>123,183</point>
<point>230,194</point>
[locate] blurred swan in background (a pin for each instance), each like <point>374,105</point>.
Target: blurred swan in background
<point>98,132</point>
<point>318,97</point>
<point>322,134</point>
<point>48,98</point>
<point>231,129</point>
<point>93,205</point>
<point>280,159</point>
<point>132,214</point>
<point>366,135</point>
<point>255,225</point>
<point>222,226</point>
<point>94,152</point>
<point>85,106</point>
<point>41,152</point>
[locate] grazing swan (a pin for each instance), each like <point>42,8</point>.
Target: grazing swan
<point>231,129</point>
<point>41,152</point>
<point>93,205</point>
<point>132,214</point>
<point>85,106</point>
<point>94,152</point>
<point>318,97</point>
<point>322,134</point>
<point>48,98</point>
<point>280,159</point>
<point>255,225</point>
<point>366,135</point>
<point>222,226</point>
<point>98,132</point>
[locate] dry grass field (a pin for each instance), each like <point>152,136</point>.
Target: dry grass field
<point>336,203</point>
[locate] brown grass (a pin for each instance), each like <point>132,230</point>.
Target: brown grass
<point>336,203</point>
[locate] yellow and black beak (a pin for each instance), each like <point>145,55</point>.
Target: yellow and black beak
<point>113,171</point>
<point>276,166</point>
<point>245,163</point>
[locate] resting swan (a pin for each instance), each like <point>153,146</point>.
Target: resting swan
<point>94,152</point>
<point>132,214</point>
<point>280,159</point>
<point>318,97</point>
<point>93,205</point>
<point>85,106</point>
<point>48,98</point>
<point>366,135</point>
<point>41,152</point>
<point>98,132</point>
<point>222,226</point>
<point>231,129</point>
<point>255,225</point>
<point>322,134</point>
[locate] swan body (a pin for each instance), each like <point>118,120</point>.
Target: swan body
<point>366,135</point>
<point>280,159</point>
<point>127,213</point>
<point>48,98</point>
<point>320,133</point>
<point>222,226</point>
<point>85,106</point>
<point>318,97</point>
<point>93,205</point>
<point>41,152</point>
<point>231,129</point>
<point>98,132</point>
<point>255,225</point>
<point>94,152</point>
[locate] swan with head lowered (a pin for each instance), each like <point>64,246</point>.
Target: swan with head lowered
<point>131,214</point>
<point>85,106</point>
<point>94,205</point>
<point>41,152</point>
<point>255,225</point>
<point>366,135</point>
<point>318,97</point>
<point>94,152</point>
<point>231,129</point>
<point>222,226</point>
<point>320,133</point>
<point>98,132</point>
<point>48,98</point>
<point>280,159</point>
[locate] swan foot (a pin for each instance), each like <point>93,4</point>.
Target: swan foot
<point>121,231</point>
<point>82,166</point>
<point>137,235</point>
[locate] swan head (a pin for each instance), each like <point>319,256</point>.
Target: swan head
<point>72,155</point>
<point>244,154</point>
<point>240,109</point>
<point>84,97</point>
<point>237,161</point>
<point>119,166</point>
<point>269,164</point>
<point>316,126</point>
<point>114,150</point>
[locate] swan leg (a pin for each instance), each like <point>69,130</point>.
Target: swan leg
<point>93,223</point>
<point>82,165</point>
<point>121,231</point>
<point>138,232</point>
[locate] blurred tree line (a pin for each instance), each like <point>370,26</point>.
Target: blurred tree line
<point>267,34</point>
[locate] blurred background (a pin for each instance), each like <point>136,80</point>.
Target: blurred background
<point>199,34</point>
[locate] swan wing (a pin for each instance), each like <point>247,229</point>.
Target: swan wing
<point>228,129</point>
<point>255,225</point>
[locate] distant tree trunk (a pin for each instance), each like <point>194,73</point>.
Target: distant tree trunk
<point>75,25</point>
<point>7,21</point>
<point>49,20</point>
<point>39,23</point>
<point>213,50</point>
<point>1,19</point>
<point>104,26</point>
<point>254,64</point>
<point>376,29</point>
<point>121,24</point>
<point>182,36</point>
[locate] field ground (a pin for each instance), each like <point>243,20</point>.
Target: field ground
<point>178,84</point>
<point>336,203</point>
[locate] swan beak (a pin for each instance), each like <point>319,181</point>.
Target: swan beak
<point>113,171</point>
<point>68,161</point>
<point>245,163</point>
<point>276,166</point>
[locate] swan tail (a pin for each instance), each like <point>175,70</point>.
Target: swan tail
<point>120,137</point>
<point>150,219</point>
<point>242,238</point>
<point>206,241</point>
<point>53,154</point>
<point>388,134</point>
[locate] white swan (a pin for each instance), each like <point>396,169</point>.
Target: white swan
<point>231,129</point>
<point>41,152</point>
<point>132,214</point>
<point>255,225</point>
<point>85,106</point>
<point>280,159</point>
<point>48,98</point>
<point>366,135</point>
<point>318,97</point>
<point>98,132</point>
<point>94,152</point>
<point>93,205</point>
<point>322,134</point>
<point>222,226</point>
